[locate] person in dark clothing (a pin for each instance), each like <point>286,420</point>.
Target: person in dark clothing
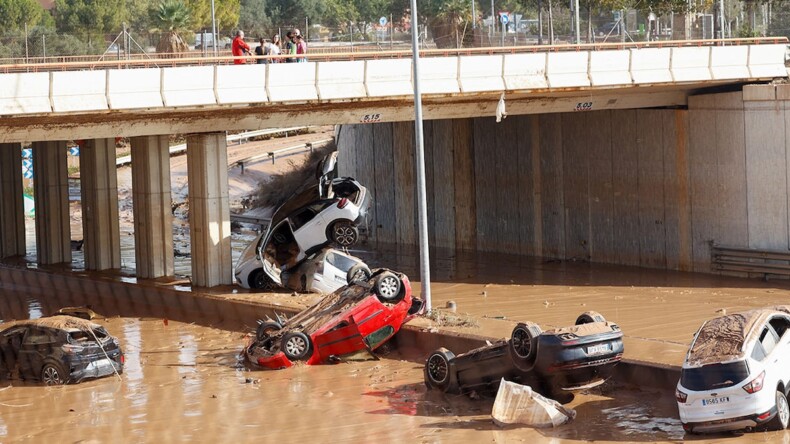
<point>260,50</point>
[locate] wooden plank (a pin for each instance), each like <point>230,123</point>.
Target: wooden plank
<point>601,200</point>
<point>703,179</point>
<point>385,183</point>
<point>366,171</point>
<point>464,178</point>
<point>677,207</point>
<point>733,213</point>
<point>443,184</point>
<point>551,179</point>
<point>625,188</point>
<point>652,246</point>
<point>528,191</point>
<point>576,185</point>
<point>766,175</point>
<point>405,184</point>
<point>506,134</point>
<point>485,182</point>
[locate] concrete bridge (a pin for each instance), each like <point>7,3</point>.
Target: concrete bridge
<point>149,100</point>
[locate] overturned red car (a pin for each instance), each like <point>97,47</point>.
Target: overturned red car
<point>360,316</point>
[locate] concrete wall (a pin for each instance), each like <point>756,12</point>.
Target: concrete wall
<point>651,187</point>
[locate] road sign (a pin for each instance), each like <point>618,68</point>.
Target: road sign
<point>503,17</point>
<point>74,151</point>
<point>27,174</point>
<point>27,153</point>
<point>383,21</point>
<point>27,163</point>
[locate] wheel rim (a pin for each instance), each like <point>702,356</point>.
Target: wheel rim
<point>258,280</point>
<point>52,376</point>
<point>295,346</point>
<point>782,410</point>
<point>388,287</point>
<point>522,344</point>
<point>438,369</point>
<point>344,235</point>
<point>359,276</point>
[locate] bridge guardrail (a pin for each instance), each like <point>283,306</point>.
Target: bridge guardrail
<point>211,85</point>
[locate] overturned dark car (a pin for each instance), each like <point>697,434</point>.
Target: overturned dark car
<point>359,317</point>
<point>562,359</point>
<point>58,350</point>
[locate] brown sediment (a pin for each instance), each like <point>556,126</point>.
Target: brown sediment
<point>62,322</point>
<point>721,339</point>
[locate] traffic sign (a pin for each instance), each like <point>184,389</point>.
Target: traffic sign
<point>27,163</point>
<point>383,21</point>
<point>27,153</point>
<point>74,151</point>
<point>27,174</point>
<point>503,17</point>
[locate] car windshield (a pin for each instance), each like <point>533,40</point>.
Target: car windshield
<point>714,376</point>
<point>86,336</point>
<point>340,262</point>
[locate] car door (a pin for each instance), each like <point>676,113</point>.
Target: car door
<point>36,346</point>
<point>781,326</point>
<point>312,232</point>
<point>10,345</point>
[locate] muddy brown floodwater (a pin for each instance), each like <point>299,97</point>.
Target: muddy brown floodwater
<point>184,383</point>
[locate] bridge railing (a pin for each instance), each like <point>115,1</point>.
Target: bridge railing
<point>111,86</point>
<point>146,60</point>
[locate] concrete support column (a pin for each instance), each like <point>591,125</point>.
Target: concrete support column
<point>153,213</point>
<point>99,189</point>
<point>12,206</point>
<point>209,211</point>
<point>51,189</point>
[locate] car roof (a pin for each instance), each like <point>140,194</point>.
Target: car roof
<point>58,322</point>
<point>723,339</point>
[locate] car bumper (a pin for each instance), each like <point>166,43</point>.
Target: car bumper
<point>580,375</point>
<point>276,361</point>
<point>97,368</point>
<point>730,424</point>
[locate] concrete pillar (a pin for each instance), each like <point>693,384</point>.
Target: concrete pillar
<point>209,212</point>
<point>152,209</point>
<point>51,189</point>
<point>99,189</point>
<point>12,206</point>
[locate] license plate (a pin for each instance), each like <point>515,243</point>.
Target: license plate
<point>719,400</point>
<point>598,349</point>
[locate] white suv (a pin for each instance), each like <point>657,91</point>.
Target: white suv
<point>736,373</point>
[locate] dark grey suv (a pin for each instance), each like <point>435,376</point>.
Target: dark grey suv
<point>58,350</point>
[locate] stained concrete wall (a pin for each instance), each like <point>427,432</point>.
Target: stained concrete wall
<point>651,188</point>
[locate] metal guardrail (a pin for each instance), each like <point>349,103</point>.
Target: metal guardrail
<point>273,154</point>
<point>749,260</point>
<point>167,60</point>
<point>262,222</point>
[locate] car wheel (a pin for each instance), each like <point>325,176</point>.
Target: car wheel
<point>437,369</point>
<point>780,421</point>
<point>259,281</point>
<point>388,287</point>
<point>523,345</point>
<point>358,273</point>
<point>296,346</point>
<point>266,329</point>
<point>53,374</point>
<point>588,317</point>
<point>344,234</point>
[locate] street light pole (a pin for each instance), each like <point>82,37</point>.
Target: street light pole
<point>576,17</point>
<point>474,19</point>
<point>422,208</point>
<point>214,27</point>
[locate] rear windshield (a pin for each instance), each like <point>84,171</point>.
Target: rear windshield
<point>83,336</point>
<point>714,376</point>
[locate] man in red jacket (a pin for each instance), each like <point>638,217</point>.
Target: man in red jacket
<point>239,48</point>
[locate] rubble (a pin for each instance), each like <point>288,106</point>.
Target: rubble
<point>519,404</point>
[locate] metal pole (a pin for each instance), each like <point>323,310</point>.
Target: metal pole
<point>576,16</point>
<point>474,16</point>
<point>214,28</point>
<point>44,43</point>
<point>392,32</point>
<point>26,52</point>
<point>492,19</point>
<point>422,208</point>
<point>540,22</point>
<point>306,29</point>
<point>721,19</point>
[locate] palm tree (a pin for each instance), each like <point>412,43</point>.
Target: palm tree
<point>171,17</point>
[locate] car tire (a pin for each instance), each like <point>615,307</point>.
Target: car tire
<point>266,329</point>
<point>388,287</point>
<point>523,345</point>
<point>588,317</point>
<point>53,373</point>
<point>437,369</point>
<point>259,281</point>
<point>296,346</point>
<point>344,234</point>
<point>782,417</point>
<point>358,273</point>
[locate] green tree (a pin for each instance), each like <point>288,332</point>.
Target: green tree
<point>91,19</point>
<point>226,13</point>
<point>171,17</point>
<point>252,17</point>
<point>14,14</point>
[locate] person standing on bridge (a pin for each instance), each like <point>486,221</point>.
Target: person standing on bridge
<point>239,48</point>
<point>301,47</point>
<point>290,46</point>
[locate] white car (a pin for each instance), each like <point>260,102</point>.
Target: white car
<point>737,373</point>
